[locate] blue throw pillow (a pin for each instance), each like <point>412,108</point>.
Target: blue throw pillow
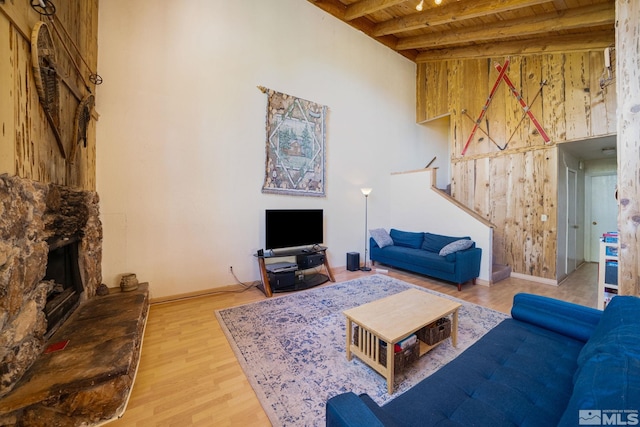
<point>435,242</point>
<point>458,245</point>
<point>381,237</point>
<point>407,239</point>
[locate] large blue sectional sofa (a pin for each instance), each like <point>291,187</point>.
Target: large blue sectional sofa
<point>552,363</point>
<point>420,253</point>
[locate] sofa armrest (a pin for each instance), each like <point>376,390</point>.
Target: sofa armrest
<point>348,410</point>
<point>468,264</point>
<point>573,320</point>
<point>372,243</point>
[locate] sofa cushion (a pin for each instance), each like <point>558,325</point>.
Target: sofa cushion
<point>607,380</point>
<point>605,386</point>
<point>617,331</point>
<point>407,239</point>
<point>435,242</point>
<point>458,245</point>
<point>517,374</point>
<point>381,237</point>
<point>405,255</point>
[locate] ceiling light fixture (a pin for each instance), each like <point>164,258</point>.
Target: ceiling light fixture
<point>420,5</point>
<point>437,1</point>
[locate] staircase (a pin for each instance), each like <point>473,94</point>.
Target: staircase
<point>499,272</point>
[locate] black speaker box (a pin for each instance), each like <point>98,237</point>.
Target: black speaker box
<point>305,261</point>
<point>282,279</point>
<point>353,261</point>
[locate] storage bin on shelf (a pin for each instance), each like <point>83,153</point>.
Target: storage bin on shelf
<point>402,358</point>
<point>436,331</point>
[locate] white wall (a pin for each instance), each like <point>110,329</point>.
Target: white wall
<point>416,206</point>
<point>181,133</point>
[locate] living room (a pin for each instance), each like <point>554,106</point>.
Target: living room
<point>179,136</point>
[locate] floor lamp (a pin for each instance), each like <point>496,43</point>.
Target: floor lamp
<point>366,192</point>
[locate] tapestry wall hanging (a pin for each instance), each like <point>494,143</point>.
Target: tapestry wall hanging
<point>295,146</point>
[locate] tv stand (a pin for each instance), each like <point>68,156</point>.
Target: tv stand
<point>306,259</point>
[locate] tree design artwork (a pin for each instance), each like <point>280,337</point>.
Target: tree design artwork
<point>295,146</point>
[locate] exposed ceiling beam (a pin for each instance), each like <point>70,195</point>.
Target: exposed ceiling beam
<point>555,44</point>
<point>588,16</point>
<point>337,9</point>
<point>451,12</point>
<point>364,7</point>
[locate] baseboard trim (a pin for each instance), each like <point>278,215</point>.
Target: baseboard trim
<point>197,294</point>
<point>483,282</point>
<point>534,279</point>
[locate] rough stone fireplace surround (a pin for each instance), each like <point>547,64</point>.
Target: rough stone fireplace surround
<point>89,380</point>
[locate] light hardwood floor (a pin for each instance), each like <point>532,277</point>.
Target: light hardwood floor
<point>189,376</point>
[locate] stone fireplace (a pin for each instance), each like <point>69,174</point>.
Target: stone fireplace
<point>50,255</point>
<point>67,356</point>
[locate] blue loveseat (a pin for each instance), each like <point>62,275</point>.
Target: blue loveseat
<point>420,253</point>
<point>552,363</point>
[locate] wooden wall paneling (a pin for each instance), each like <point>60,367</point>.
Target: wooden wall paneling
<point>499,181</point>
<point>513,235</point>
<point>482,187</point>
<point>603,99</point>
<point>28,146</point>
<point>24,90</point>
<point>422,101</point>
<point>628,87</point>
<point>497,124</point>
<point>531,76</point>
<point>532,256</point>
<point>454,106</point>
<point>432,90</point>
<point>441,94</point>
<point>473,97</point>
<point>466,183</point>
<point>550,227</point>
<point>577,96</point>
<point>515,187</point>
<point>543,262</point>
<point>553,98</point>
<point>510,107</point>
<point>7,97</point>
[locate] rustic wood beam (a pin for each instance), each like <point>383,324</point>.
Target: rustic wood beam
<point>364,7</point>
<point>557,44</point>
<point>588,16</point>
<point>451,12</point>
<point>337,9</point>
<point>628,89</point>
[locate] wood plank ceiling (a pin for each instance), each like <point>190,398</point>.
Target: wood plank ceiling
<point>479,28</point>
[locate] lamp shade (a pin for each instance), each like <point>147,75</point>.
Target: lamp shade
<point>366,191</point>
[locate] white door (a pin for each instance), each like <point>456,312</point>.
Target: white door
<point>572,221</point>
<point>604,211</point>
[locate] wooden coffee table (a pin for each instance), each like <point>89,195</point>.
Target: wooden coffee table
<point>391,319</point>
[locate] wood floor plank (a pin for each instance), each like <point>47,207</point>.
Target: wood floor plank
<point>189,375</point>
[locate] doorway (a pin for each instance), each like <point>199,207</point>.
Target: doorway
<point>572,221</point>
<point>602,215</point>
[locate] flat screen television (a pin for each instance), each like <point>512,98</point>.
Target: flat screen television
<point>287,228</point>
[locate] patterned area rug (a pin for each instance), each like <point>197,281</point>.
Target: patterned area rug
<point>292,348</point>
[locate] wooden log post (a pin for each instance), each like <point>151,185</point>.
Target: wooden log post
<point>628,87</point>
